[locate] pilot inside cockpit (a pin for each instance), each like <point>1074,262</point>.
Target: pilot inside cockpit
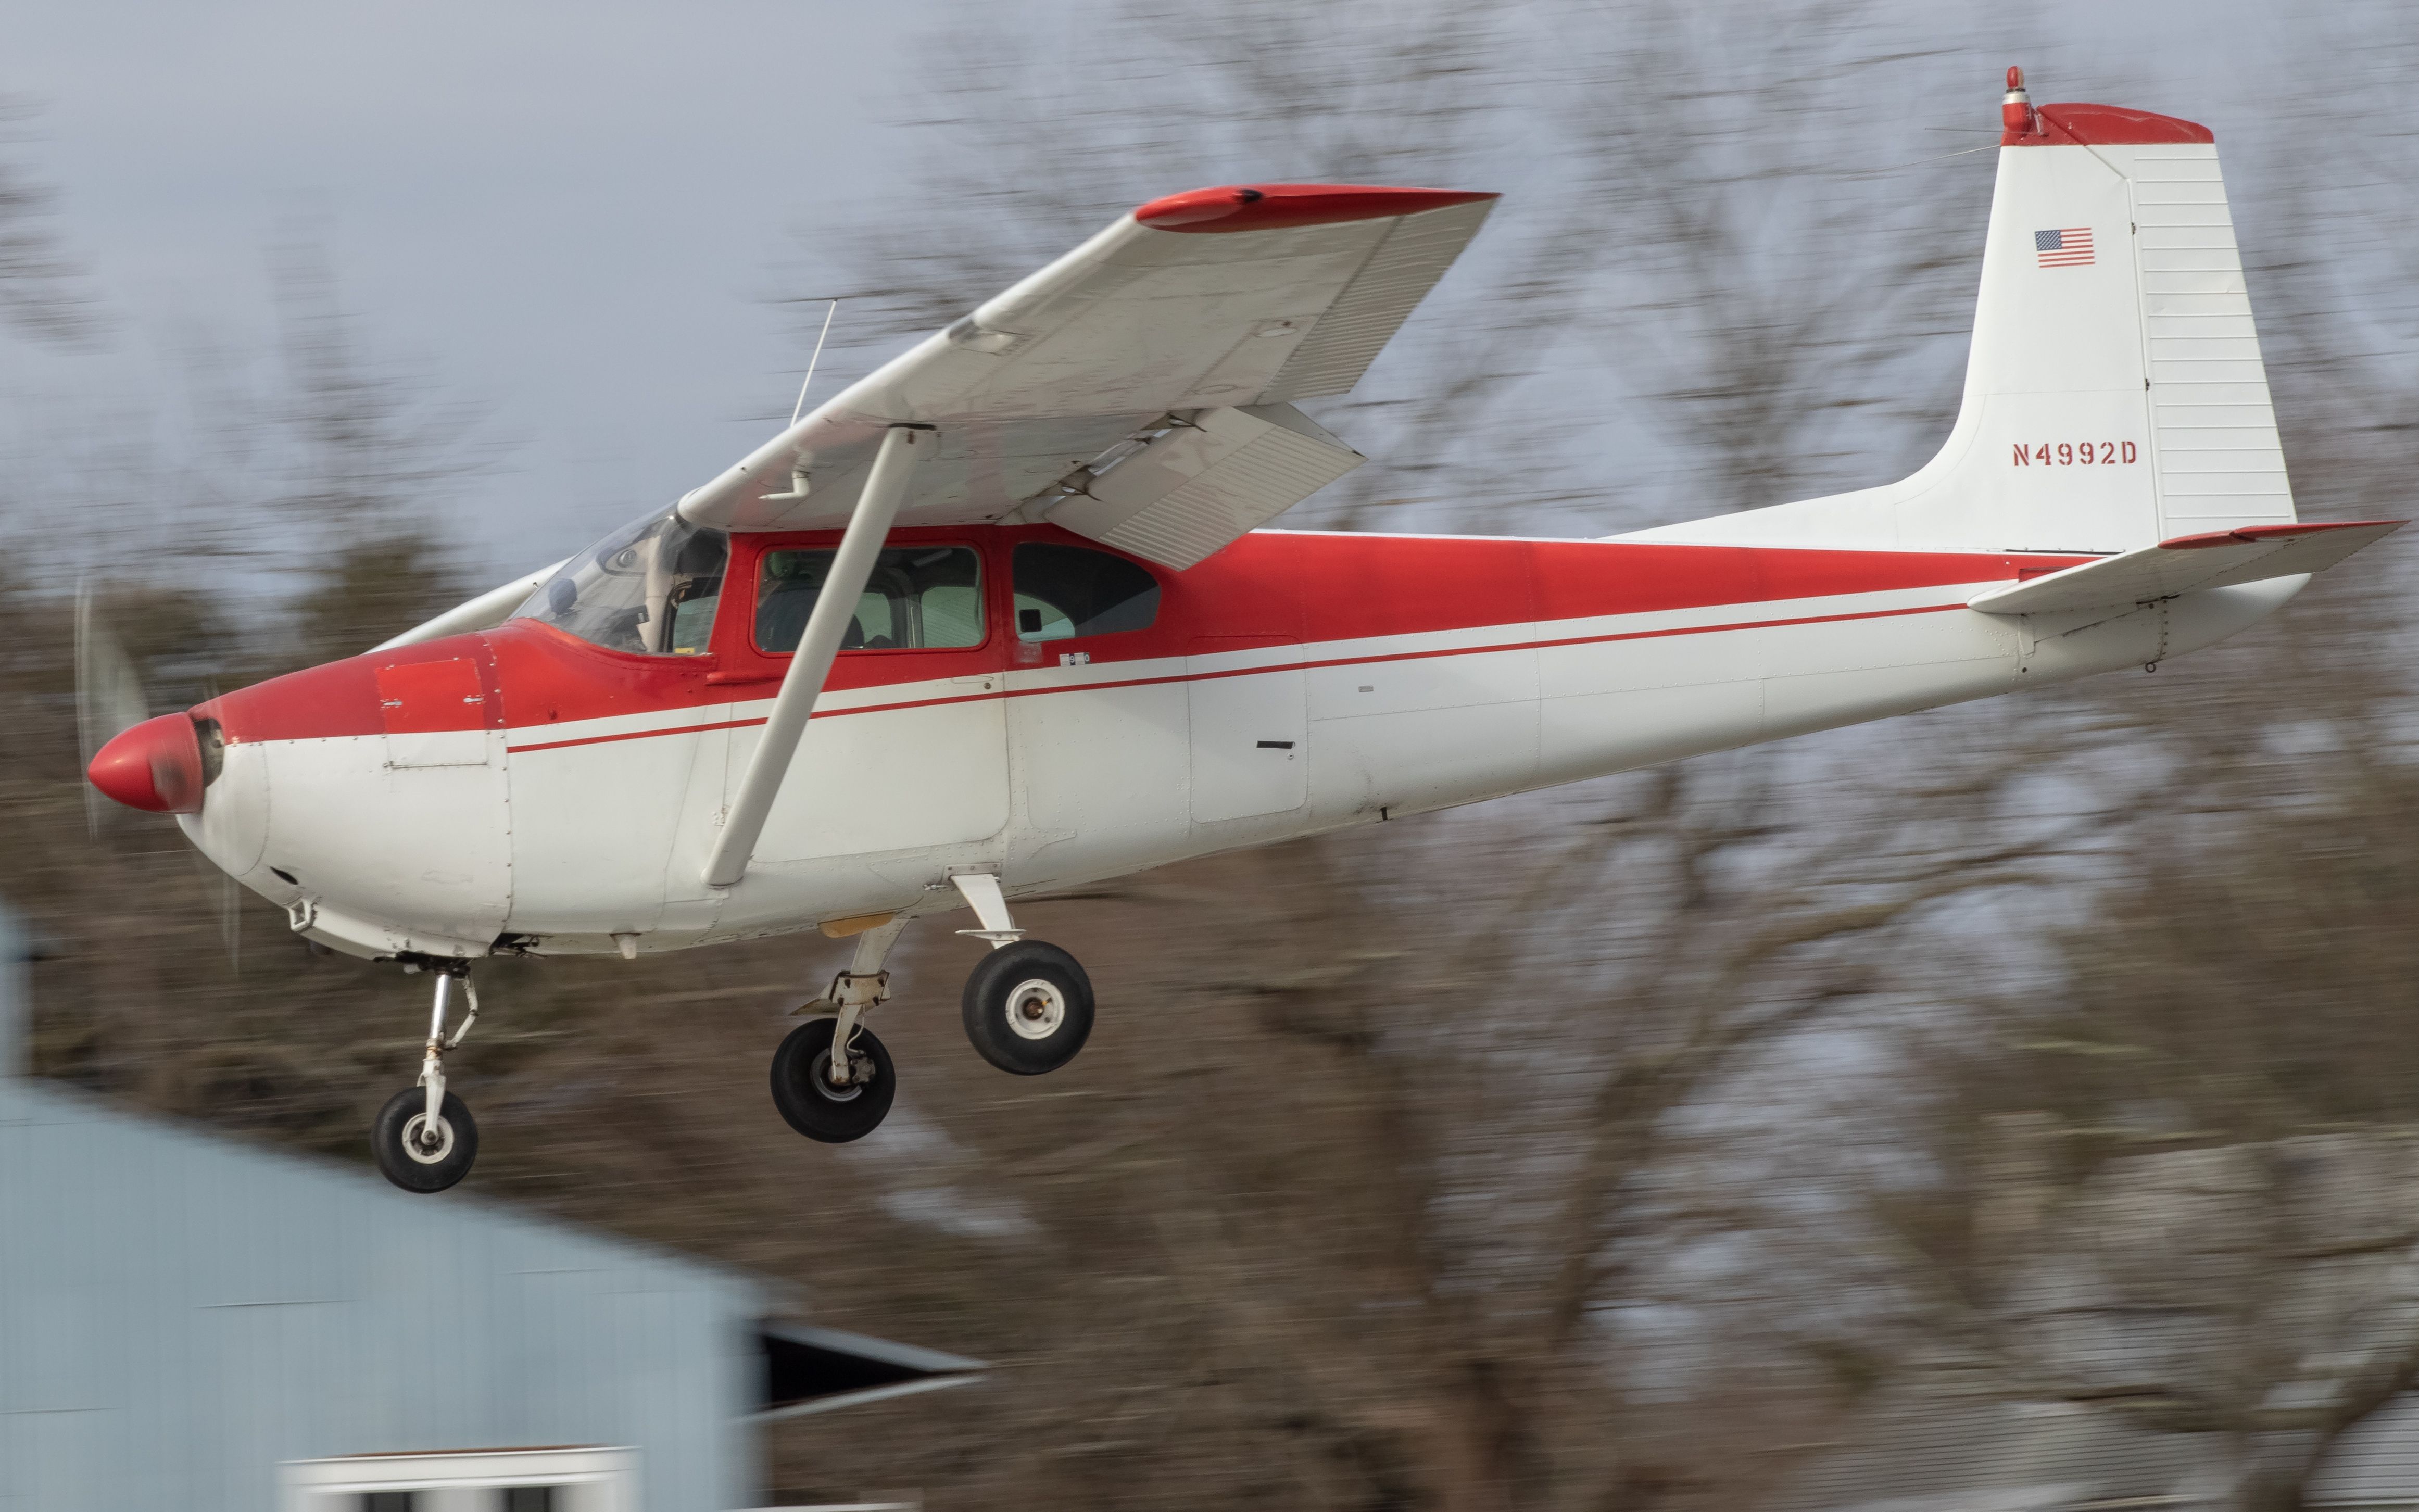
<point>649,588</point>
<point>918,598</point>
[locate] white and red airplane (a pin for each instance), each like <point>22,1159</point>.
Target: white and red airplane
<point>1016,578</point>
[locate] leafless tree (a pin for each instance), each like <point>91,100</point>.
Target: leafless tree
<point>1783,287</point>
<point>368,456</point>
<point>43,293</point>
<point>1685,275</point>
<point>2182,1189</point>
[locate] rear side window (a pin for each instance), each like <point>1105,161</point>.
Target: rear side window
<point>919,598</point>
<point>1063,591</point>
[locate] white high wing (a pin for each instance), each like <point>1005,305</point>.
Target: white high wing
<point>1038,393</point>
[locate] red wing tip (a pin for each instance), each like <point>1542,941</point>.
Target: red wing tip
<point>2273,533</point>
<point>1276,207</point>
<point>2084,125</point>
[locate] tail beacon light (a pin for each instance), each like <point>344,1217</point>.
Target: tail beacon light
<point>2016,107</point>
<point>155,766</point>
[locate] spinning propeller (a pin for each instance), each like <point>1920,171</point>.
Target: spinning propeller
<point>157,764</point>
<point>160,764</point>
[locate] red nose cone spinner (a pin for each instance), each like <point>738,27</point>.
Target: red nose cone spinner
<point>156,765</point>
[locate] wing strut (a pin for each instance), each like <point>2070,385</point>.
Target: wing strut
<point>869,526</point>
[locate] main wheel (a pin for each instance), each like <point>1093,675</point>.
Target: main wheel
<point>1028,1008</point>
<point>803,1089</point>
<point>415,1157</point>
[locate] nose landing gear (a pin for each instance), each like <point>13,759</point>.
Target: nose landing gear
<point>425,1139</point>
<point>832,1079</point>
<point>832,1099</point>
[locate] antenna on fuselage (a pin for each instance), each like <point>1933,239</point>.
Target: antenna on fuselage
<point>800,408</point>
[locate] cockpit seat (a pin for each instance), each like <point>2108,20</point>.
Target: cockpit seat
<point>781,618</point>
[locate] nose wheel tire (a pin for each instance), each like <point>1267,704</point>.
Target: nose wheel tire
<point>1028,1008</point>
<point>414,1156</point>
<point>811,1105</point>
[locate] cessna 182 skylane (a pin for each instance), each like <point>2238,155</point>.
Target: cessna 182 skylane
<point>1015,578</point>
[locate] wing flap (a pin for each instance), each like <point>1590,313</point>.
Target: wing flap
<point>2187,564</point>
<point>1201,484</point>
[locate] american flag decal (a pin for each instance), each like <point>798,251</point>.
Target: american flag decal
<point>2070,248</point>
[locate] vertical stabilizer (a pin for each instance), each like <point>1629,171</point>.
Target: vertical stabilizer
<point>2114,392</point>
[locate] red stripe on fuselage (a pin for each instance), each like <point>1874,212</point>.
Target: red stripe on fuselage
<point>1250,671</point>
<point>1270,588</point>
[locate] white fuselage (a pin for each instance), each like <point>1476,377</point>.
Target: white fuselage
<point>567,835</point>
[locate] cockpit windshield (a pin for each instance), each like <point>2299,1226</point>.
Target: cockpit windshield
<point>650,588</point>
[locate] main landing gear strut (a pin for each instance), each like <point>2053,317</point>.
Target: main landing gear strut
<point>1028,1006</point>
<point>423,1139</point>
<point>1028,1009</point>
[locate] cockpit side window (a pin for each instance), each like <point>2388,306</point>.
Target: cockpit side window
<point>650,588</point>
<point>1063,591</point>
<point>919,598</point>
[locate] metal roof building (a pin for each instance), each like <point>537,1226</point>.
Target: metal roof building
<point>1961,1452</point>
<point>186,1321</point>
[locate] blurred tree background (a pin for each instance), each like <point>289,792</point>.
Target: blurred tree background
<point>1614,1147</point>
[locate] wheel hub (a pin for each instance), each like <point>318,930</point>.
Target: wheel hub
<point>820,1074</point>
<point>423,1145</point>
<point>1036,1009</point>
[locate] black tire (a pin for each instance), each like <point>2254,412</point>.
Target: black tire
<point>804,1093</point>
<point>421,1170</point>
<point>1028,1008</point>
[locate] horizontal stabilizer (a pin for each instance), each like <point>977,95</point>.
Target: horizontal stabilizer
<point>2187,564</point>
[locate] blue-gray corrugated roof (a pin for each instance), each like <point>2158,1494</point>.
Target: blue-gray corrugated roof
<point>2376,1461</point>
<point>180,1312</point>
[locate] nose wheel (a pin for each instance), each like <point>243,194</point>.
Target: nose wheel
<point>418,1155</point>
<point>425,1139</point>
<point>832,1104</point>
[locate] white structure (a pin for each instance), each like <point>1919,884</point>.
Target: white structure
<point>513,1480</point>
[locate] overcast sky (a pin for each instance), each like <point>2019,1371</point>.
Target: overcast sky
<point>573,216</point>
<point>570,215</point>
